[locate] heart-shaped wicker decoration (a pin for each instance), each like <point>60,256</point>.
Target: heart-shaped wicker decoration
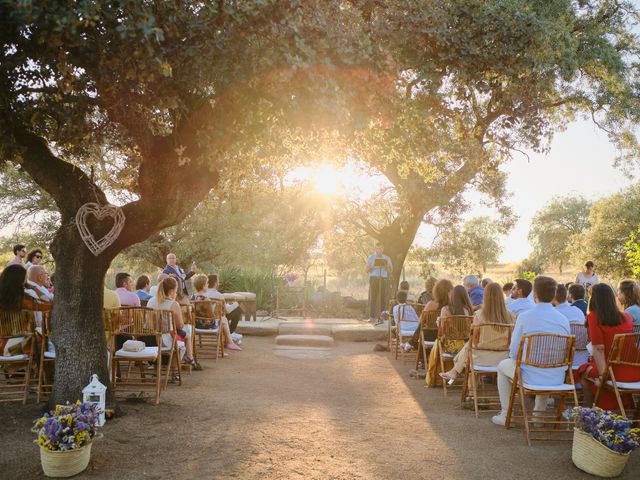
<point>97,246</point>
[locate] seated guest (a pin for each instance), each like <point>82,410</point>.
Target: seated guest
<point>143,285</point>
<point>404,286</point>
<point>165,299</point>
<point>576,297</point>
<point>426,296</point>
<point>111,299</point>
<point>493,310</point>
<point>234,313</point>
<point>506,291</point>
<point>542,318</point>
<point>476,293</point>
<point>573,314</point>
<point>20,251</point>
<point>38,282</point>
<point>200,283</point>
<point>459,304</point>
<point>629,297</point>
<point>604,321</point>
<point>34,257</point>
<point>406,313</point>
<point>440,298</point>
<point>153,290</point>
<point>485,281</point>
<point>520,297</point>
<point>124,289</point>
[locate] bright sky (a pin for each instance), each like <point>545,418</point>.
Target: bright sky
<point>580,161</point>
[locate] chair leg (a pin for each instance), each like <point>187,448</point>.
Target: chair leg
<point>27,378</point>
<point>158,376</point>
<point>40,376</point>
<point>523,405</point>
<point>511,399</point>
<point>617,393</point>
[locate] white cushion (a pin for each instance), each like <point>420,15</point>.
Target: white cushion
<point>14,358</point>
<point>407,333</point>
<point>447,355</point>
<point>49,354</point>
<point>148,352</point>
<point>429,343</point>
<point>565,387</point>
<point>207,330</point>
<point>485,368</point>
<point>627,385</point>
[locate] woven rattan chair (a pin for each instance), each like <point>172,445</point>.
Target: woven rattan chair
<point>543,350</point>
<point>492,337</point>
<point>47,357</point>
<point>16,369</point>
<point>428,335</point>
<point>208,341</point>
<point>401,332</point>
<point>455,329</point>
<point>140,324</point>
<point>625,350</point>
<point>581,355</point>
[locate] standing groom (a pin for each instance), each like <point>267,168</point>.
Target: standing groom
<point>380,268</point>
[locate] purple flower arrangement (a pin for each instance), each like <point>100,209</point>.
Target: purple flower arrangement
<point>290,277</point>
<point>384,316</point>
<point>67,427</point>
<point>610,429</point>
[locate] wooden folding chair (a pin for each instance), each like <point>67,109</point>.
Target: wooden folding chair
<point>399,333</point>
<point>543,350</point>
<point>16,369</point>
<point>208,341</point>
<point>581,354</point>
<point>170,349</point>
<point>453,331</point>
<point>486,337</point>
<point>428,335</point>
<point>625,350</point>
<point>139,324</point>
<point>47,357</point>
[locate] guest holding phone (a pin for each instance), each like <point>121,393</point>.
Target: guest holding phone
<point>379,267</point>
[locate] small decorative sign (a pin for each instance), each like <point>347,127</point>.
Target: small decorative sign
<point>97,246</point>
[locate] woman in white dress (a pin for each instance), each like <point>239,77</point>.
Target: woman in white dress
<point>588,277</point>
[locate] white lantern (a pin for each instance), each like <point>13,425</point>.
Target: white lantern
<point>96,393</point>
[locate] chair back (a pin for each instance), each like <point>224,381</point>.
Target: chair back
<point>579,330</point>
<point>419,308</point>
<point>204,309</point>
<point>491,336</point>
<point>455,327</point>
<point>133,321</point>
<point>19,323</point>
<point>625,350</point>
<point>546,350</point>
<point>188,315</point>
<point>429,324</point>
<point>164,319</point>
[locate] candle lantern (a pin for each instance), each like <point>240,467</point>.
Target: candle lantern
<point>96,393</point>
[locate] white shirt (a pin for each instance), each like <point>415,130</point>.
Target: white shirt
<point>41,291</point>
<point>587,282</point>
<point>153,290</point>
<point>216,295</point>
<point>410,320</point>
<point>520,305</point>
<point>379,271</point>
<point>573,314</point>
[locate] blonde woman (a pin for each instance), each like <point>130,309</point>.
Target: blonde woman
<point>165,299</point>
<point>200,283</point>
<point>493,310</point>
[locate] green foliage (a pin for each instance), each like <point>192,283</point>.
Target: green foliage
<point>529,268</point>
<point>554,228</point>
<point>613,219</point>
<point>470,249</point>
<point>632,249</point>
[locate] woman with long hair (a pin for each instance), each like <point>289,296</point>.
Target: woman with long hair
<point>459,303</point>
<point>440,298</point>
<point>629,297</point>
<point>12,282</point>
<point>494,310</point>
<point>165,299</point>
<point>604,321</point>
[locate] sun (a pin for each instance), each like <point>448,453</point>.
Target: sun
<point>327,180</point>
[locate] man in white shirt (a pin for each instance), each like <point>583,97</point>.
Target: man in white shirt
<point>573,314</point>
<point>542,318</point>
<point>234,312</point>
<point>38,282</point>
<point>521,302</point>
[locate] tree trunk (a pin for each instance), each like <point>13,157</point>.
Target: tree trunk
<point>77,319</point>
<point>397,239</point>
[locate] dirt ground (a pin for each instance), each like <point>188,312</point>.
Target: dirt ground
<point>354,414</point>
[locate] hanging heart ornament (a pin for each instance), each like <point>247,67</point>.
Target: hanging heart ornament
<point>97,246</point>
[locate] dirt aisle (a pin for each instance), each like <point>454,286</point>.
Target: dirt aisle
<point>354,415</point>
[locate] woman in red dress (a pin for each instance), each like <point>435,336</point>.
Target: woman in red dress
<point>604,320</point>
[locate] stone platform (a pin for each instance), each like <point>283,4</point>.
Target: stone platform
<point>340,329</point>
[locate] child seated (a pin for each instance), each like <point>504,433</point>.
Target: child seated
<point>406,317</point>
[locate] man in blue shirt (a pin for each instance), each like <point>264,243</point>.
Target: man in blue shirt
<point>520,297</point>
<point>543,318</point>
<point>379,267</point>
<point>576,297</point>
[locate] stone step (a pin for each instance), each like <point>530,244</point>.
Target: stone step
<point>308,328</point>
<point>305,340</point>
